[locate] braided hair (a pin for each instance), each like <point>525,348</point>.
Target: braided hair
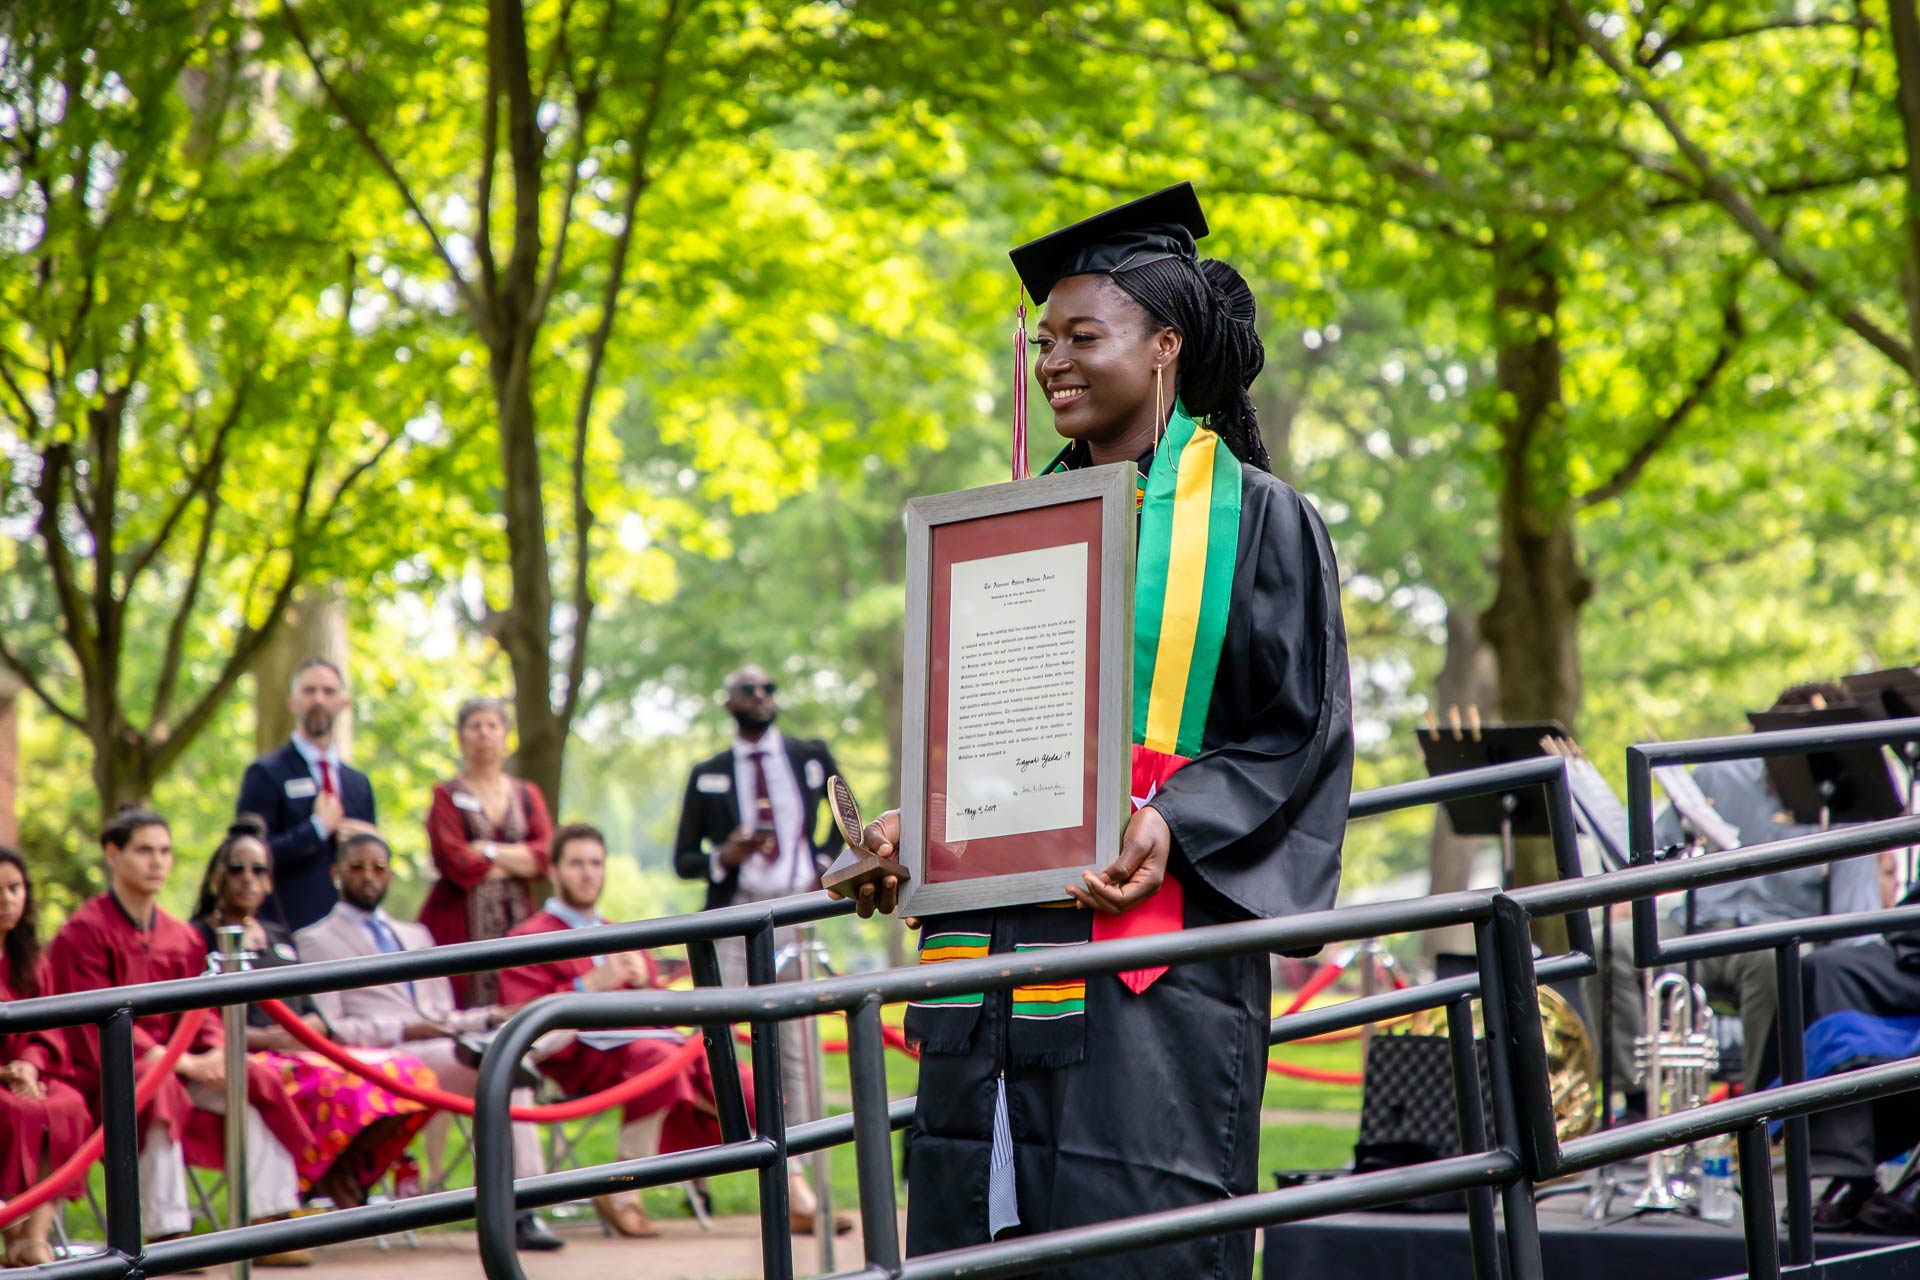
<point>1221,353</point>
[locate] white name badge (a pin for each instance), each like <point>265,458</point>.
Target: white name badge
<point>461,800</point>
<point>301,789</point>
<point>713,784</point>
<point>816,775</point>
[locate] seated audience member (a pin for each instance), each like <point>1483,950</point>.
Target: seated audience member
<point>43,1120</point>
<point>420,1014</point>
<point>360,1130</point>
<point>488,832</point>
<point>1862,1006</point>
<point>1742,793</point>
<point>308,796</point>
<point>675,1115</point>
<point>123,938</point>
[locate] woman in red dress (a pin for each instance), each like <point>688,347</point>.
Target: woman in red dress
<point>489,833</point>
<point>43,1120</point>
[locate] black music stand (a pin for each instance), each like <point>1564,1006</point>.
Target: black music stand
<point>1511,814</point>
<point>1893,694</point>
<point>1849,784</point>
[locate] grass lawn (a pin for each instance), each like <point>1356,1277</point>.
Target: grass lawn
<point>1296,1145</point>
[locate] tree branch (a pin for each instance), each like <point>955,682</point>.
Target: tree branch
<point>1732,333</point>
<point>1685,37</point>
<point>1905,21</point>
<point>30,417</point>
<point>208,468</point>
<point>9,660</point>
<point>483,320</point>
<point>55,462</point>
<point>483,203</point>
<point>177,629</point>
<point>638,180</point>
<point>1723,193</point>
<point>1783,190</point>
<point>586,99</point>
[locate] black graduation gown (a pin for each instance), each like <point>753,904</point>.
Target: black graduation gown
<point>1163,1110</point>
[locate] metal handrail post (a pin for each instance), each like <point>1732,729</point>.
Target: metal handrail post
<point>120,1122</point>
<point>776,1221</point>
<point>723,1060</point>
<point>873,1137</point>
<point>233,1025</point>
<point>818,1165</point>
<point>1482,1236</point>
<point>1791,1022</point>
<point>1756,1204</point>
<point>1516,1197</point>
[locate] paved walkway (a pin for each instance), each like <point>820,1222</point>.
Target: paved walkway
<point>731,1251</point>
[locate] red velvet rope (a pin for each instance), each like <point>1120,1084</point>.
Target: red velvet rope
<point>1317,1075</point>
<point>83,1159</point>
<point>428,1096</point>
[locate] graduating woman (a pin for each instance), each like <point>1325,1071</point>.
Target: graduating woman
<point>1140,1092</point>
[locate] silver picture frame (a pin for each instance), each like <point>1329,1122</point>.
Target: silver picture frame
<point>1113,485</point>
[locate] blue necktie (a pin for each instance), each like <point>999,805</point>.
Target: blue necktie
<point>384,938</point>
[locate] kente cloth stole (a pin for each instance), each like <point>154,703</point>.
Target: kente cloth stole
<point>1182,593</point>
<point>1046,1021</point>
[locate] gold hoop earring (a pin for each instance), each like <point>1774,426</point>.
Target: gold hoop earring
<point>1159,414</point>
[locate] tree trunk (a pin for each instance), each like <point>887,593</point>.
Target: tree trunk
<point>526,630</point>
<point>1469,677</point>
<point>315,627</point>
<point>1534,621</point>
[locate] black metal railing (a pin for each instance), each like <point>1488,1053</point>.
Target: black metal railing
<point>765,1149</point>
<point>1507,1152</point>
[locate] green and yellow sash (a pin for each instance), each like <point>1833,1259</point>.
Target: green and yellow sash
<point>1189,508</point>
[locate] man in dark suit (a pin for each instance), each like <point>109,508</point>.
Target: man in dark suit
<point>308,796</point>
<point>751,828</point>
<point>749,821</point>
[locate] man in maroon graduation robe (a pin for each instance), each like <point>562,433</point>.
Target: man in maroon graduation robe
<point>676,1115</point>
<point>123,938</point>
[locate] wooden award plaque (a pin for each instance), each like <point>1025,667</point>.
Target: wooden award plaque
<point>866,868</point>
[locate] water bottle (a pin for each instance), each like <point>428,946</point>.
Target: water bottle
<point>1716,1180</point>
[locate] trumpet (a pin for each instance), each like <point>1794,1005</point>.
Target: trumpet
<point>1675,1059</point>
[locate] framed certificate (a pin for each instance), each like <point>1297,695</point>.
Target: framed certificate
<point>1017,710</point>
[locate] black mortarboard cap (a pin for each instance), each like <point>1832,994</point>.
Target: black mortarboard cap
<point>1162,225</point>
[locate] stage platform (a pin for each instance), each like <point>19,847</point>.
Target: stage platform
<point>1433,1246</point>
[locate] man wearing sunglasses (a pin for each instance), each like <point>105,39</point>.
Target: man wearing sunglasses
<point>755,825</point>
<point>751,813</point>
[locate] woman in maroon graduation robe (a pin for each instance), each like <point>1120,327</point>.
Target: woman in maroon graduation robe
<point>43,1121</point>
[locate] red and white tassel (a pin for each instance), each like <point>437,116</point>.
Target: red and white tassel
<point>1020,391</point>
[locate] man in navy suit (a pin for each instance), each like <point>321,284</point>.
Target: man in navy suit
<point>309,797</point>
<point>751,828</point>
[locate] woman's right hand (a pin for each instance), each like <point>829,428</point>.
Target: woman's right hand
<point>880,838</point>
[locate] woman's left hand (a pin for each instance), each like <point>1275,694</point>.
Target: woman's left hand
<point>1136,874</point>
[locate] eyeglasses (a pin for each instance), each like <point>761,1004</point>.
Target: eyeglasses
<point>259,870</point>
<point>749,688</point>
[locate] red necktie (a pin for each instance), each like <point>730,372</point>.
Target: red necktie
<point>326,778</point>
<point>763,802</point>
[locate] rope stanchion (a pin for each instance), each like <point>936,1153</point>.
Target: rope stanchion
<point>428,1096</point>
<point>82,1160</point>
